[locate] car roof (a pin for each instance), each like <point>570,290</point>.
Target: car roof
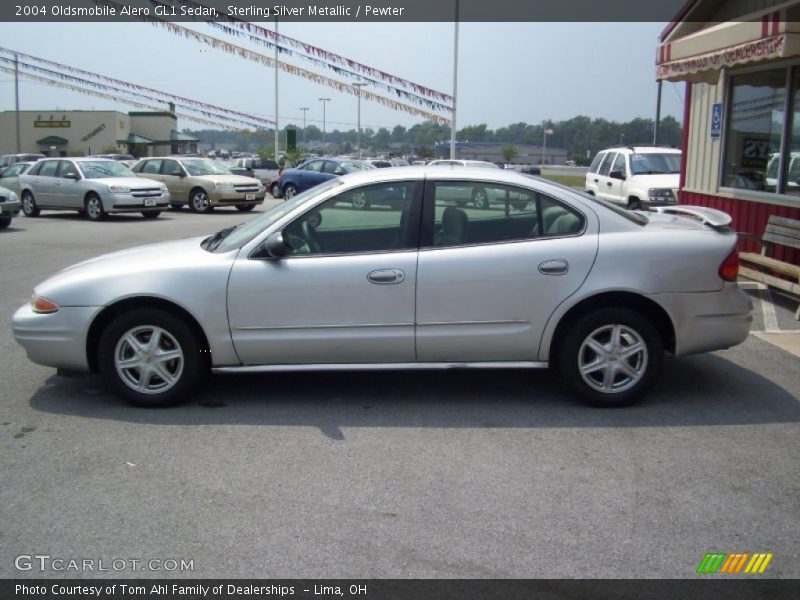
<point>443,172</point>
<point>644,149</point>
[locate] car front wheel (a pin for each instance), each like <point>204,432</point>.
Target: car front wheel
<point>245,207</point>
<point>275,190</point>
<point>29,208</point>
<point>151,358</point>
<point>94,208</point>
<point>480,198</point>
<point>611,357</point>
<point>289,191</point>
<point>199,202</point>
<point>5,222</point>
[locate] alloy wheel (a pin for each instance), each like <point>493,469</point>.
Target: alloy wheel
<point>149,359</point>
<point>612,359</point>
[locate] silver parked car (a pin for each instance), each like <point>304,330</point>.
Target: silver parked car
<point>92,186</point>
<point>9,176</point>
<point>9,206</point>
<point>318,283</point>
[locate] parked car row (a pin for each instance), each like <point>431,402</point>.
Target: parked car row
<point>98,186</point>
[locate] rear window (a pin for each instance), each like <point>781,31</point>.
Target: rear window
<point>596,162</point>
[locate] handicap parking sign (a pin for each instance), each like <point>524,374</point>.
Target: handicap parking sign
<point>716,119</point>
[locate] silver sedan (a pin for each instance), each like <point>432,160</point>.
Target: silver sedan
<point>415,278</point>
<point>92,186</point>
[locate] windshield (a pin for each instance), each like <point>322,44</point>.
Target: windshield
<point>104,168</point>
<point>243,233</point>
<point>202,166</point>
<point>356,165</point>
<point>655,164</point>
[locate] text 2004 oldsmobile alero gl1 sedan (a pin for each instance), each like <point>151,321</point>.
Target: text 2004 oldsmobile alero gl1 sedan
<point>415,278</point>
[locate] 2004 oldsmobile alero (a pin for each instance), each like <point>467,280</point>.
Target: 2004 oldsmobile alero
<point>395,269</point>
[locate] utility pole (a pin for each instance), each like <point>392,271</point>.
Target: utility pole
<point>455,86</point>
<point>277,128</point>
<point>545,133</point>
<point>658,115</point>
<point>304,109</point>
<point>358,87</point>
<point>16,97</point>
<point>324,103</point>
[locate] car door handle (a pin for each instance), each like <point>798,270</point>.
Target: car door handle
<point>608,184</point>
<point>386,276</point>
<point>554,267</point>
<point>596,180</point>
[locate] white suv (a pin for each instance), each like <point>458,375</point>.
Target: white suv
<point>635,176</point>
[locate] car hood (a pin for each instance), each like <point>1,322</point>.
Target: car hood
<point>131,182</point>
<point>154,269</point>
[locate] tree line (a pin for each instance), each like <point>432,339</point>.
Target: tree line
<point>580,136</point>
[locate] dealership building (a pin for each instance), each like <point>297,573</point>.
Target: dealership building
<point>493,152</point>
<point>76,132</point>
<point>740,60</point>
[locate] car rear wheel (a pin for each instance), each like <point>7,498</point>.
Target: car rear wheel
<point>246,207</point>
<point>151,358</point>
<point>29,208</point>
<point>634,204</point>
<point>94,208</point>
<point>480,198</point>
<point>611,357</point>
<point>151,214</point>
<point>199,202</point>
<point>289,191</point>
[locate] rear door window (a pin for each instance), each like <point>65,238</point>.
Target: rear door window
<point>596,162</point>
<point>605,167</point>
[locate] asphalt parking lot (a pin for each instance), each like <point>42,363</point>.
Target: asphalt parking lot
<point>455,474</point>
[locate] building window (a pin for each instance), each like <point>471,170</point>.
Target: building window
<point>755,130</point>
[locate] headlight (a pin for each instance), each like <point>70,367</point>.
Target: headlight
<point>43,306</point>
<point>660,194</point>
<point>223,185</point>
<point>12,197</point>
<point>164,188</point>
<point>119,189</point>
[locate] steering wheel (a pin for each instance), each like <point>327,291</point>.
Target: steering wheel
<point>311,238</point>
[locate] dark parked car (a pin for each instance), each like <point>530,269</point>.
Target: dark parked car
<point>315,171</point>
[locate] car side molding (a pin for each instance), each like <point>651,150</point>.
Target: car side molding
<point>520,364</point>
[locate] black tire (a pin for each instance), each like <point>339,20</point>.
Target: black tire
<point>175,206</point>
<point>634,204</point>
<point>245,208</point>
<point>574,349</point>
<point>151,214</point>
<point>275,190</point>
<point>199,201</point>
<point>289,191</point>
<point>5,222</point>
<point>480,198</point>
<point>93,208</point>
<point>189,369</point>
<point>359,201</point>
<point>29,208</point>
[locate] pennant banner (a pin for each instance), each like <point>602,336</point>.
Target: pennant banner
<point>97,94</point>
<point>128,87</point>
<point>318,55</point>
<point>340,86</point>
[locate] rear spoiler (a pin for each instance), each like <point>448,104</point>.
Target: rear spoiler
<point>708,216</point>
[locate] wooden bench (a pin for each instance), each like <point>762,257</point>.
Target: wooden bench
<point>780,231</point>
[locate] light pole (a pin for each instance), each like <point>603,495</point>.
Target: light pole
<point>545,133</point>
<point>455,87</point>
<point>324,103</point>
<point>358,87</point>
<point>277,129</point>
<point>304,109</point>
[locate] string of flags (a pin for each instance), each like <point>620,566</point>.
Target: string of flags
<point>136,103</point>
<point>318,56</point>
<point>132,88</point>
<point>247,54</point>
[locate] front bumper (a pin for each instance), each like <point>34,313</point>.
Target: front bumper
<point>131,203</point>
<point>57,339</point>
<point>221,198</point>
<point>9,209</point>
<point>708,321</point>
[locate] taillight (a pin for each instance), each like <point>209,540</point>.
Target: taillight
<point>43,305</point>
<point>729,269</point>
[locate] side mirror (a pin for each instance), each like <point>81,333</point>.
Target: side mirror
<point>339,171</point>
<point>617,175</point>
<point>73,176</point>
<point>178,173</point>
<point>274,246</point>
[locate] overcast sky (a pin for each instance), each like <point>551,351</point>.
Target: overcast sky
<point>508,72</point>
